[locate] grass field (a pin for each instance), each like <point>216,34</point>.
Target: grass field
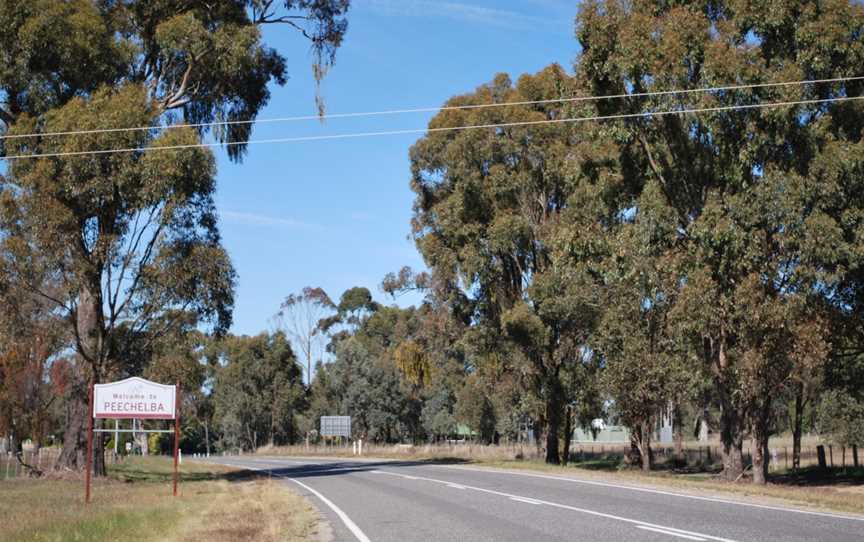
<point>216,504</point>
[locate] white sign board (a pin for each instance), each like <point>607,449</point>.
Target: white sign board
<point>336,426</point>
<point>134,398</point>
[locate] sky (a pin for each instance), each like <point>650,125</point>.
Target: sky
<point>336,214</point>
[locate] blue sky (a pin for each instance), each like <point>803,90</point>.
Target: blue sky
<point>336,214</point>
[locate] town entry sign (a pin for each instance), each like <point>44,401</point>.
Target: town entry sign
<point>138,399</point>
<point>134,398</point>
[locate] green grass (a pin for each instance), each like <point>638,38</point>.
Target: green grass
<point>136,500</point>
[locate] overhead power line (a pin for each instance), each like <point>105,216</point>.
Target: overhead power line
<point>434,109</point>
<point>441,129</point>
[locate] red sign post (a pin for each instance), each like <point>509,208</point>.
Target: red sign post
<point>133,398</point>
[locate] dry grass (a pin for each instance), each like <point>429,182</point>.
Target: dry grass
<point>216,504</point>
<point>260,510</point>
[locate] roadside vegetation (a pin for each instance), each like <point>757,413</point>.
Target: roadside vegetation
<point>215,503</point>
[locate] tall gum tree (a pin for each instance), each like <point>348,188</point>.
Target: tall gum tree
<point>716,168</point>
<point>133,235</point>
<point>646,364</point>
<point>488,220</point>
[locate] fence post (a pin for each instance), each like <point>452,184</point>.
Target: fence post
<point>820,453</point>
<point>831,454</point>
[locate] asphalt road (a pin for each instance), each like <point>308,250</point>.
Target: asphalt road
<point>406,501</point>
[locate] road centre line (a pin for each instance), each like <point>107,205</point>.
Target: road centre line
<point>522,499</point>
<point>655,491</point>
<point>668,530</point>
<point>687,536</point>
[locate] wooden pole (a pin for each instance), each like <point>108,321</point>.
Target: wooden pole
<point>177,399</point>
<point>89,447</point>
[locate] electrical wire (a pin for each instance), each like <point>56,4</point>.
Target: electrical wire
<point>439,129</point>
<point>434,109</point>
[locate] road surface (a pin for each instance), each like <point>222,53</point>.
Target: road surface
<point>384,501</point>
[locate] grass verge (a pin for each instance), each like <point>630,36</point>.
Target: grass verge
<point>216,504</point>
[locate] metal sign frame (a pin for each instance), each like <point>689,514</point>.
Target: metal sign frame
<point>93,416</point>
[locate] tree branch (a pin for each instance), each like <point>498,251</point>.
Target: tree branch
<point>5,116</point>
<point>178,98</point>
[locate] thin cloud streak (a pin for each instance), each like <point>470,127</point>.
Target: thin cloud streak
<point>457,11</point>
<point>254,219</point>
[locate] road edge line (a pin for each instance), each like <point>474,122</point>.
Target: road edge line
<point>355,530</point>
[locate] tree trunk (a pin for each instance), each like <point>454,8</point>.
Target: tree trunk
<point>797,425</point>
<point>88,369</point>
<point>643,441</point>
<point>731,434</point>
<point>760,443</point>
<point>732,443</point>
<point>553,424</point>
<point>72,455</point>
<point>678,429</point>
<point>568,436</point>
<point>207,438</point>
<point>633,455</point>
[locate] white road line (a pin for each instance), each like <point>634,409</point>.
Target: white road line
<point>454,486</point>
<point>355,530</point>
<point>670,533</point>
<point>574,509</point>
<point>523,499</point>
<point>656,491</point>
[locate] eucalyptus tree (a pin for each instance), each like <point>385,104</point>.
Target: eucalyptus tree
<point>133,234</point>
<point>646,364</point>
<point>258,393</point>
<point>509,217</point>
<point>299,317</point>
<point>33,343</point>
<point>767,200</point>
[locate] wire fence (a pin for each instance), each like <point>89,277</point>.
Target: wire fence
<point>42,460</point>
<point>780,456</point>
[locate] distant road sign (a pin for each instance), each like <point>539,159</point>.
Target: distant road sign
<point>336,426</point>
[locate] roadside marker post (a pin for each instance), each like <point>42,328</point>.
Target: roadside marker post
<point>176,436</point>
<point>133,398</point>
<point>89,447</point>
